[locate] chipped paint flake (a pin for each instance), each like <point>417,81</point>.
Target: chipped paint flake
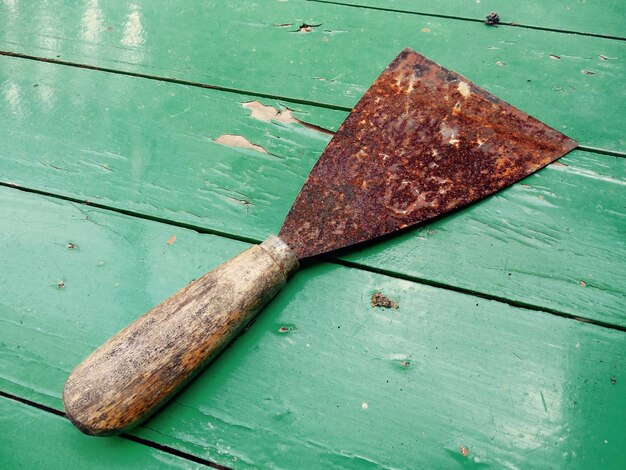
<point>269,113</point>
<point>231,140</point>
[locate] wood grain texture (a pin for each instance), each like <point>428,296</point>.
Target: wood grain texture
<point>602,17</point>
<point>321,379</point>
<point>147,148</point>
<point>137,370</point>
<point>34,439</point>
<point>573,83</point>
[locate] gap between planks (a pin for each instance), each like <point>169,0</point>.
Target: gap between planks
<point>129,437</point>
<point>326,258</point>
<point>237,91</point>
<point>472,20</point>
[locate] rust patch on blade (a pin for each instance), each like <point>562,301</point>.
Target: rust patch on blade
<point>421,142</point>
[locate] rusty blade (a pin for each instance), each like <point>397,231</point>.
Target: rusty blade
<point>421,142</point>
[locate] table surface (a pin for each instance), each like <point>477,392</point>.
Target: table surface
<point>508,349</point>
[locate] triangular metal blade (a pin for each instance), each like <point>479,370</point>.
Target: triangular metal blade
<point>422,141</point>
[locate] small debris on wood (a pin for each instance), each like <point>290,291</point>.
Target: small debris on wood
<point>587,72</point>
<point>306,28</point>
<point>555,57</point>
<point>464,451</point>
<point>492,19</point>
<point>613,380</point>
<point>71,246</point>
<point>379,300</point>
<point>171,240</point>
<point>61,284</point>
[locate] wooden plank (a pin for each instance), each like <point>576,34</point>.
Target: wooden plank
<point>148,147</point>
<point>32,438</point>
<point>595,17</point>
<point>322,379</point>
<point>571,82</point>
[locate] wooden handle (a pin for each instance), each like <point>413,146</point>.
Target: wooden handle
<point>133,373</point>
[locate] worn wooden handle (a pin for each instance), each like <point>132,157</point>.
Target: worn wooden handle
<point>133,373</point>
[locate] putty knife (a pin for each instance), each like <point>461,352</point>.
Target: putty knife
<point>421,142</point>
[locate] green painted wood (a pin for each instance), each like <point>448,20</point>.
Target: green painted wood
<point>603,17</point>
<point>148,147</point>
<point>33,439</point>
<point>345,386</point>
<point>572,82</point>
